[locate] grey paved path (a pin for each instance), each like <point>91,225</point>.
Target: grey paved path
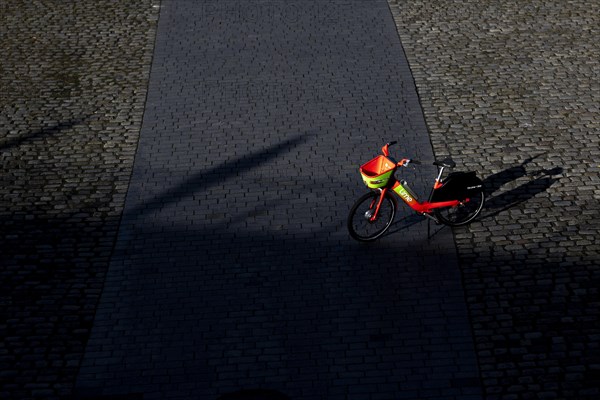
<point>233,269</point>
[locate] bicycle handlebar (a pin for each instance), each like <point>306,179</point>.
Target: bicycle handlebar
<point>405,161</point>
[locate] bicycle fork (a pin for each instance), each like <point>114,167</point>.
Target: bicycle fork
<point>375,214</point>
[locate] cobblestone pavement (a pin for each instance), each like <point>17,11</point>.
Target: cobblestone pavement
<point>73,79</point>
<point>509,89</point>
<point>512,89</point>
<point>233,269</point>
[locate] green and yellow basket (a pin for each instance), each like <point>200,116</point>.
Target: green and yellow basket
<point>377,172</point>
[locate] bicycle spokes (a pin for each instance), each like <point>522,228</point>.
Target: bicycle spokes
<point>365,221</point>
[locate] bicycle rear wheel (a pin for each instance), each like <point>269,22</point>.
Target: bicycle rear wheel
<point>463,213</point>
<point>360,225</point>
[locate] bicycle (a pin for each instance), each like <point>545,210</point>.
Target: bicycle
<point>454,201</point>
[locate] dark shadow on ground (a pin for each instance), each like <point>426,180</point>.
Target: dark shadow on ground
<point>254,394</point>
<point>52,273</point>
<point>537,318</point>
<point>405,221</point>
<point>312,314</point>
<point>494,182</point>
<point>540,181</point>
<point>11,143</point>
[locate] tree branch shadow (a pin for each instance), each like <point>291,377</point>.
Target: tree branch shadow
<point>216,174</point>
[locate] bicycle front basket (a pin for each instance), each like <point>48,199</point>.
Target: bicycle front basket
<point>377,172</point>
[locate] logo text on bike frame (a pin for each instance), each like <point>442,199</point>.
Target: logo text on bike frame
<point>403,193</point>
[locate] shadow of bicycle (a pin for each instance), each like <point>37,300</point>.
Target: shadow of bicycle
<point>497,201</point>
<point>404,223</point>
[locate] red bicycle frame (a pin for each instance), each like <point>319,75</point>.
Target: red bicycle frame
<point>423,208</point>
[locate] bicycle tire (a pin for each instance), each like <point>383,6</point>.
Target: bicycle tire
<point>463,213</point>
<point>359,225</point>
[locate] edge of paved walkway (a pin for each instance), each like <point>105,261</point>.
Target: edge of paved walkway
<point>437,278</point>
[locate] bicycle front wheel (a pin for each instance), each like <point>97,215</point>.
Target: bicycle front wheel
<point>463,213</point>
<point>360,225</point>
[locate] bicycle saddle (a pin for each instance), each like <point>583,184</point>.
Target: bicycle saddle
<point>446,163</point>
